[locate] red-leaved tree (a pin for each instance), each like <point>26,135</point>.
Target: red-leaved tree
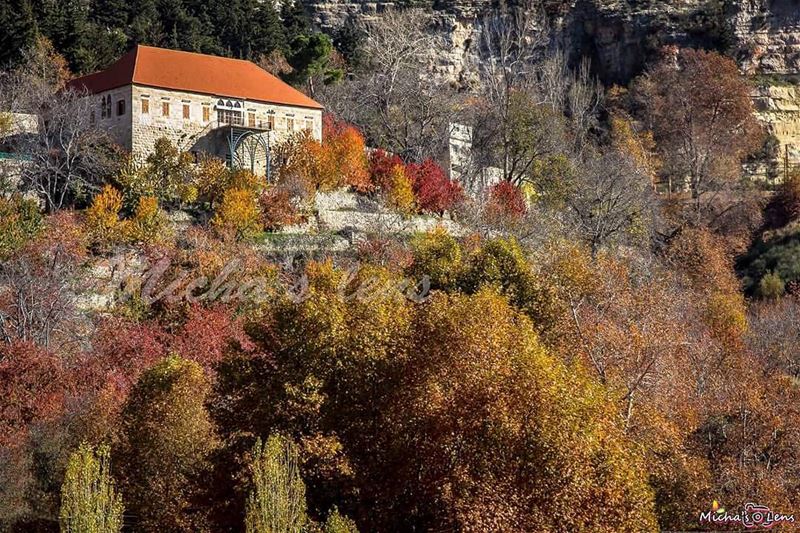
<point>505,202</point>
<point>434,191</point>
<point>381,164</point>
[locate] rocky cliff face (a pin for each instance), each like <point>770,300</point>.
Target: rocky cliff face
<point>778,106</point>
<point>620,36</point>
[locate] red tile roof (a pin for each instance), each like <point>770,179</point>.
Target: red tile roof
<point>197,73</point>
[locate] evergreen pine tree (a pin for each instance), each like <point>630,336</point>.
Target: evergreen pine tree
<point>295,20</point>
<point>17,30</point>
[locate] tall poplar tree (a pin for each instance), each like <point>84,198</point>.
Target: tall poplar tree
<point>89,501</point>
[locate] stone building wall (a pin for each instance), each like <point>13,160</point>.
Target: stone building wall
<point>116,123</point>
<point>151,113</point>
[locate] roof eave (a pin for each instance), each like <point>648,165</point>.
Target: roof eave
<point>318,107</point>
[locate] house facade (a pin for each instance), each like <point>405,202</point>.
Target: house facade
<point>227,108</point>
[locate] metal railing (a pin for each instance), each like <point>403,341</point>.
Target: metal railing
<point>242,122</point>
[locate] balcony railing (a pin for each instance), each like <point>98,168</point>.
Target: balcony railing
<point>244,122</point>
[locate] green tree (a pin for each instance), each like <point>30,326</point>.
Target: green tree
<point>166,440</point>
<point>89,501</point>
<point>771,286</point>
<point>20,221</point>
<point>295,19</point>
<point>277,503</point>
<point>310,58</point>
<point>17,30</point>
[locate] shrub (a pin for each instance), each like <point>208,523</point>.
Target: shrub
<point>277,209</point>
<point>434,191</point>
<point>337,523</point>
<point>20,221</point>
<point>102,219</point>
<point>400,194</point>
<point>238,216</point>
<point>437,255</point>
<point>505,203</point>
<point>149,224</point>
<point>771,286</point>
<point>106,228</point>
<point>381,167</point>
<point>89,501</point>
<point>780,255</point>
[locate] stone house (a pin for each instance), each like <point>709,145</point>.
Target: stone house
<point>228,108</point>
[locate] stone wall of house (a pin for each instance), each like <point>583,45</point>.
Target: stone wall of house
<point>116,119</point>
<point>190,121</point>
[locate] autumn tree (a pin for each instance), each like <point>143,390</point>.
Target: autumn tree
<point>37,302</point>
<point>339,160</point>
<point>344,155</point>
<point>212,177</point>
<point>505,203</point>
<point>238,215</point>
<point>89,500</point>
<point>700,111</point>
<point>434,191</point>
<point>167,174</point>
<point>165,442</point>
<point>473,388</point>
<point>389,96</point>
<point>610,199</point>
<point>277,502</point>
<point>532,108</point>
<point>69,154</point>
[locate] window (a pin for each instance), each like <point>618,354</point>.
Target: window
<point>145,106</point>
<point>92,117</point>
<point>270,122</point>
<point>309,125</point>
<point>120,107</point>
<point>186,111</point>
<point>108,106</point>
<point>206,113</point>
<point>251,119</point>
<point>165,109</point>
<point>230,112</point>
<point>228,116</point>
<point>103,107</point>
<point>290,123</point>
